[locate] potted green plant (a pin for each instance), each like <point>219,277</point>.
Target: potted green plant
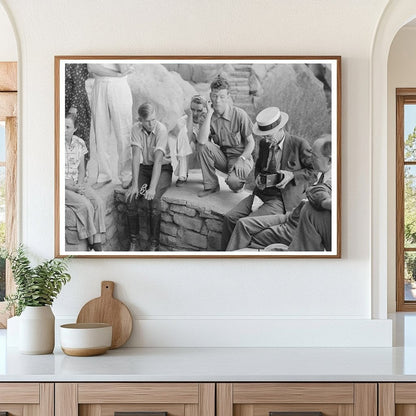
<point>36,289</point>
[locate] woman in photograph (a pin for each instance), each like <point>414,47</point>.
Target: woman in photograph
<point>111,108</point>
<point>86,204</point>
<point>76,99</point>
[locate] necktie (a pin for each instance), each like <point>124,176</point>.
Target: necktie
<point>275,156</point>
<point>278,157</point>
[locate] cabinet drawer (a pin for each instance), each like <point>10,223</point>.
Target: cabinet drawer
<point>107,399</point>
<point>138,393</point>
<point>19,393</point>
<point>21,399</point>
<point>397,399</point>
<point>270,399</point>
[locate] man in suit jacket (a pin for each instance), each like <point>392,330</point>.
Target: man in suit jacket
<point>314,231</point>
<point>279,152</point>
<point>307,227</point>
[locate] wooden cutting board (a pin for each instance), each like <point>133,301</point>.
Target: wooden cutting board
<point>108,310</point>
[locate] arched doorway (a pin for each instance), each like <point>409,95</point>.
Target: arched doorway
<point>395,16</point>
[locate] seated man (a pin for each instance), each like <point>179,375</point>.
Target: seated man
<point>152,175</point>
<point>314,232</point>
<point>226,142</point>
<point>260,232</point>
<point>283,172</point>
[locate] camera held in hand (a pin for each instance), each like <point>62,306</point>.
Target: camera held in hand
<point>267,180</point>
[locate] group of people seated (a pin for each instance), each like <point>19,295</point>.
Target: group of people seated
<point>289,208</point>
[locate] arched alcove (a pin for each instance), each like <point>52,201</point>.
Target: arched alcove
<point>8,45</point>
<point>396,15</point>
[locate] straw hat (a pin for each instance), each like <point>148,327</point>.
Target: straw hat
<point>269,121</point>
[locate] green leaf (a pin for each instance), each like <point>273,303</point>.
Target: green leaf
<point>35,286</point>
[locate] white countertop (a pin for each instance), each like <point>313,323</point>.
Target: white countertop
<point>215,364</point>
<point>222,364</point>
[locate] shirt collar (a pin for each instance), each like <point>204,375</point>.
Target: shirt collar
<point>227,113</point>
<point>279,145</point>
<point>148,133</point>
<point>71,143</point>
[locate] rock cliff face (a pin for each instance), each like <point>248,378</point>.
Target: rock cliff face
<point>166,90</point>
<point>201,73</point>
<point>296,91</point>
<point>300,90</point>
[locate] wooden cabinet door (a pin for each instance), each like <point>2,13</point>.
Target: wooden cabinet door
<point>297,399</point>
<point>26,399</point>
<point>144,399</point>
<point>397,399</point>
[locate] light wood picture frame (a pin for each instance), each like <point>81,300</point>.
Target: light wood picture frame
<point>228,165</point>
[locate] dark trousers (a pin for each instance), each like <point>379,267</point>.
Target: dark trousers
<point>314,231</point>
<point>143,215</point>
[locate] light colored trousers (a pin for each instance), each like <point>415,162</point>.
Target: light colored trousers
<point>259,232</point>
<point>212,157</point>
<point>89,210</point>
<point>180,148</point>
<point>111,110</point>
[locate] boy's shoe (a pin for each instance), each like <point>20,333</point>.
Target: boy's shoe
<point>154,246</point>
<point>134,244</point>
<point>97,247</point>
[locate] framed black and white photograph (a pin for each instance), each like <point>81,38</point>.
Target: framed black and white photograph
<point>198,156</point>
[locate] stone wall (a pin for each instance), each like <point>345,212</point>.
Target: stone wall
<point>189,223</point>
<point>189,227</point>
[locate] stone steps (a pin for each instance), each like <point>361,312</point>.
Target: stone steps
<point>240,86</point>
<point>239,83</point>
<point>245,99</point>
<point>242,68</point>
<point>238,80</point>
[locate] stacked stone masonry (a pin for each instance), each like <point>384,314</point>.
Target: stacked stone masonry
<point>188,223</point>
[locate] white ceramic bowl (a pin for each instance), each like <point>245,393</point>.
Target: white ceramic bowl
<point>83,340</point>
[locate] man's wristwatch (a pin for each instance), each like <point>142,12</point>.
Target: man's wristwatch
<point>243,158</point>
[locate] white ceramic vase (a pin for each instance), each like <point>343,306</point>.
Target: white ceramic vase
<point>37,330</point>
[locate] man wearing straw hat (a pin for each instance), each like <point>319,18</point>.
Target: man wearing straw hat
<point>305,228</point>
<point>283,172</point>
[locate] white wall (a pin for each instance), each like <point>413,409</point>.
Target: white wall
<point>203,302</point>
<point>8,47</point>
<point>401,74</point>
